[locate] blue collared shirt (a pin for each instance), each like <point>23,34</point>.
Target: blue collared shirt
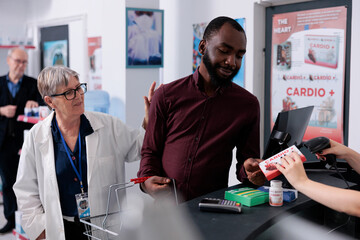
<point>13,87</point>
<point>68,182</point>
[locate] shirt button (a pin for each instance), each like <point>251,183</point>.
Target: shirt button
<point>75,179</point>
<point>189,159</point>
<point>196,139</point>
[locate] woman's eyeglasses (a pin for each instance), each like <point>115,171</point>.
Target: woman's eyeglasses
<point>71,94</point>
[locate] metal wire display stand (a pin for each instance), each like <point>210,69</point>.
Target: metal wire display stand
<point>98,227</point>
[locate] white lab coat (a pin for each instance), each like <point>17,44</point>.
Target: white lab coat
<point>36,188</point>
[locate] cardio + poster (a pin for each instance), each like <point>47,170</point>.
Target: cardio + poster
<point>308,68</point>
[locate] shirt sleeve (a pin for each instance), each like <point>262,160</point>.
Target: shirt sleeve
<point>249,147</point>
<point>155,137</point>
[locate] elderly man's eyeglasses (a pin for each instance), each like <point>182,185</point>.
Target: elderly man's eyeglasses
<point>71,94</point>
<point>18,61</point>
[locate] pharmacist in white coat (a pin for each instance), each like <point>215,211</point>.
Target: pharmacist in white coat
<point>69,153</point>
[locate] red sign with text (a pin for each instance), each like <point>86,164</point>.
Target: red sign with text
<point>308,68</point>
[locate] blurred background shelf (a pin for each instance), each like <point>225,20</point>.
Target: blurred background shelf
<point>13,46</point>
<point>23,118</point>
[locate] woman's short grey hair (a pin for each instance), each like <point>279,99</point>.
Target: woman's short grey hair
<point>50,78</point>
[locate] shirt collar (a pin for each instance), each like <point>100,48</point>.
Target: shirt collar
<point>8,79</point>
<point>85,128</point>
<point>199,82</point>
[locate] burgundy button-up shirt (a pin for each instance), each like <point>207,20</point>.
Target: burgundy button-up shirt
<point>190,137</point>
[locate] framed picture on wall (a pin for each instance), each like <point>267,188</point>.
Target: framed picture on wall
<point>55,53</point>
<point>144,38</point>
<point>54,46</point>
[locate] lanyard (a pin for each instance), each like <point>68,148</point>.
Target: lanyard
<point>79,175</point>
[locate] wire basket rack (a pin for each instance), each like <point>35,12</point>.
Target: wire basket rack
<point>109,225</point>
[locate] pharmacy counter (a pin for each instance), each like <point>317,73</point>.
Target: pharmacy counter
<point>253,222</point>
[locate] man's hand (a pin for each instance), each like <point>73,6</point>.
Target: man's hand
<point>157,186</point>
<point>31,104</point>
<point>8,111</point>
<point>253,171</point>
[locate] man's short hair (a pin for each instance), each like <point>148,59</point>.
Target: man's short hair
<point>214,26</point>
<point>12,50</point>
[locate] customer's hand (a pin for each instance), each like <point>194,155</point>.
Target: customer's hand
<point>31,104</point>
<point>8,111</point>
<point>293,169</point>
<point>253,171</point>
<point>157,186</point>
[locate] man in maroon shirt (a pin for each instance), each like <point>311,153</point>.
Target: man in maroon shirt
<point>195,122</point>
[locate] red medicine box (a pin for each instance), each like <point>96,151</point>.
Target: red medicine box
<point>268,166</point>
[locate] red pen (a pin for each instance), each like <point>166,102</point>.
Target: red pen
<point>139,180</point>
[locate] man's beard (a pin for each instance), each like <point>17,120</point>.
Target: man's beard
<point>215,79</point>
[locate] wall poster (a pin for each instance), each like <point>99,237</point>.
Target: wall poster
<point>308,67</point>
<point>55,53</point>
<point>54,46</point>
<point>145,38</point>
<point>95,63</point>
<point>198,31</point>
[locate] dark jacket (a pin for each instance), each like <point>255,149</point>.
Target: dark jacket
<point>28,91</point>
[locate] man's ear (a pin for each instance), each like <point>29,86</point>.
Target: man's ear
<point>48,101</point>
<point>8,60</point>
<point>202,47</point>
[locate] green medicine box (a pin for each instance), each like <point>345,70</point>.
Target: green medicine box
<point>247,196</point>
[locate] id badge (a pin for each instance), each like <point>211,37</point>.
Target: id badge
<point>82,202</point>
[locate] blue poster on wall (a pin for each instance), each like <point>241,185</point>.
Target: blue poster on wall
<point>54,46</point>
<point>55,53</point>
<point>198,31</point>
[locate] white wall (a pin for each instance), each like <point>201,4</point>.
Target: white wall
<point>13,15</point>
<point>354,113</point>
<point>113,54</point>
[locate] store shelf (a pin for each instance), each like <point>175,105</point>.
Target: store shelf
<point>13,46</point>
<point>23,118</point>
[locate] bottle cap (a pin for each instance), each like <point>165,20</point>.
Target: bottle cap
<point>275,183</point>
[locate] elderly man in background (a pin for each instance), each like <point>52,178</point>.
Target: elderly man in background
<point>17,91</point>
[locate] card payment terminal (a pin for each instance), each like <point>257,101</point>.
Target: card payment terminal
<point>219,205</point>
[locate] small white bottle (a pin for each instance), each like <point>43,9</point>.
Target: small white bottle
<point>276,193</point>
